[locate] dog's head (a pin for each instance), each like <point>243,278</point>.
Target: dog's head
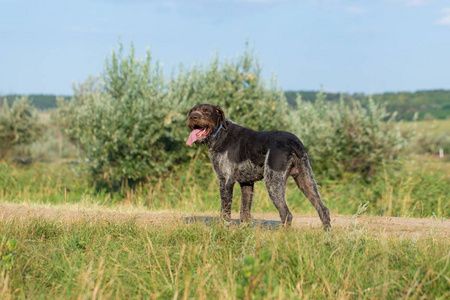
<point>204,120</point>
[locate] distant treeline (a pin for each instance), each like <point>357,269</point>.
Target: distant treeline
<point>427,104</point>
<point>41,102</point>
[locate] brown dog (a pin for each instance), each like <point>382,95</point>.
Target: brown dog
<point>245,156</point>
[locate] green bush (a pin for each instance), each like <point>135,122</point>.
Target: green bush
<point>123,122</point>
<point>347,137</point>
<point>19,125</point>
<point>131,123</point>
<point>236,85</point>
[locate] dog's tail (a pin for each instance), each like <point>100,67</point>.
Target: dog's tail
<point>302,165</point>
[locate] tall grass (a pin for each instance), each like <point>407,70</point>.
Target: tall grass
<point>414,188</point>
<point>109,259</point>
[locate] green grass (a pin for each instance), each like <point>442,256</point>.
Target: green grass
<point>415,188</point>
<point>428,127</point>
<point>107,259</point>
<point>430,136</point>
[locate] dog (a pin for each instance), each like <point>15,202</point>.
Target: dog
<point>242,155</point>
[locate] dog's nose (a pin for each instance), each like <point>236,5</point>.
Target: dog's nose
<point>194,117</point>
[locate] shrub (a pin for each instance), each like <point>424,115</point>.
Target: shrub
<point>123,122</point>
<point>66,117</point>
<point>19,125</point>
<point>131,123</point>
<point>237,86</point>
<point>346,137</point>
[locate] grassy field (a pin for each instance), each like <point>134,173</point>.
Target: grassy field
<point>432,127</point>
<point>114,258</point>
<point>430,136</point>
<point>106,258</point>
<point>109,258</point>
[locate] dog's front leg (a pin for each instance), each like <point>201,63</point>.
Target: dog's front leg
<point>226,195</point>
<point>246,202</point>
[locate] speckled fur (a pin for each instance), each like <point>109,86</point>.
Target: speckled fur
<point>239,154</point>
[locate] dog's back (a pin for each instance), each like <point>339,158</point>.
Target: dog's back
<point>273,149</point>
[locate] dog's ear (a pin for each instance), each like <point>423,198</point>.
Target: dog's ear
<point>221,115</point>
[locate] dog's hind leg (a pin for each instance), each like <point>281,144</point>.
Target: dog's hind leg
<point>276,186</point>
<point>246,202</point>
<point>304,178</point>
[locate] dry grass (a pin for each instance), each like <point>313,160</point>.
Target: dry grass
<point>102,258</point>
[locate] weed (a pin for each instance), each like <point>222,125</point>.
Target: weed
<point>8,248</point>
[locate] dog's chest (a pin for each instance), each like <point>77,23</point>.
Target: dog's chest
<point>243,172</point>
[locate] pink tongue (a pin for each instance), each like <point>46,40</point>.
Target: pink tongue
<point>193,136</point>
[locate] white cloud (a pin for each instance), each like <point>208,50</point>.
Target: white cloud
<point>364,30</point>
<point>81,29</point>
<point>445,20</point>
<point>413,2</point>
<point>355,10</point>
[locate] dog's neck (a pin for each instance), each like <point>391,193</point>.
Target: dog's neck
<point>216,137</point>
<point>220,127</point>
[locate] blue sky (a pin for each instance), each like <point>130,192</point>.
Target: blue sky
<point>365,46</point>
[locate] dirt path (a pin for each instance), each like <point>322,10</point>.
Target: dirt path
<point>411,227</point>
